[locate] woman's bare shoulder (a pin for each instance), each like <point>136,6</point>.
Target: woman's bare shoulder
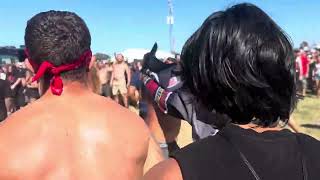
<point>165,170</point>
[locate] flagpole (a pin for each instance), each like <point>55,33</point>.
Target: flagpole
<point>170,22</point>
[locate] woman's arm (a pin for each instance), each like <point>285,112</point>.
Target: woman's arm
<point>18,81</point>
<point>165,170</point>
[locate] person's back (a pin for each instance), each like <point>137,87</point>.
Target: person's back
<point>69,140</point>
<point>280,150</point>
<point>235,68</point>
<point>70,133</point>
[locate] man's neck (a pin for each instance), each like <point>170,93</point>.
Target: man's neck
<point>70,89</point>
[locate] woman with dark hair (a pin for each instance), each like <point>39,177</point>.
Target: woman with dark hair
<point>12,92</point>
<point>239,63</point>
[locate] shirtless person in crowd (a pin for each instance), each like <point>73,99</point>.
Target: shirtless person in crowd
<point>119,82</point>
<point>105,77</point>
<point>70,132</point>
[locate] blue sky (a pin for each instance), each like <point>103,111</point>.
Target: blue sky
<point>116,25</point>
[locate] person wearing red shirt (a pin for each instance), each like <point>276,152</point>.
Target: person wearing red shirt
<point>303,64</point>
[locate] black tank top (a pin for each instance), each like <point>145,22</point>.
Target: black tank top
<point>272,155</point>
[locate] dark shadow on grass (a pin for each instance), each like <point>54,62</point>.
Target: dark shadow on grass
<point>311,126</point>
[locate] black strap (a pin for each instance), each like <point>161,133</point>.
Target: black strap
<point>302,157</point>
<point>243,157</point>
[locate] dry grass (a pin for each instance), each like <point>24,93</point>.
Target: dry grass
<point>307,116</point>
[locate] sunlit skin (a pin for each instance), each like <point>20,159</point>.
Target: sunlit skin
<point>102,72</point>
<point>78,135</point>
<point>118,78</point>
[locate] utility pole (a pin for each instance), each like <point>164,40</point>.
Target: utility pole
<point>170,22</point>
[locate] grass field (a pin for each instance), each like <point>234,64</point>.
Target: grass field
<point>306,116</point>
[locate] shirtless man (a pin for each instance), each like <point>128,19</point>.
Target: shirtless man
<point>70,133</point>
<point>104,72</point>
<point>118,79</point>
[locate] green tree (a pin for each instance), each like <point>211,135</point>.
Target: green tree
<point>102,56</point>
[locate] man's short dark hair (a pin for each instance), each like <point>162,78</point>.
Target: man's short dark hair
<point>240,62</point>
<point>59,37</point>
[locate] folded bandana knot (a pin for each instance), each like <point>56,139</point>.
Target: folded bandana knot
<point>56,83</point>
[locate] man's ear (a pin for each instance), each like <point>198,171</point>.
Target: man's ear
<point>28,65</point>
<point>92,61</point>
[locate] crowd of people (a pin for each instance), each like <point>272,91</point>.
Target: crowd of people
<point>308,69</point>
<point>17,88</point>
<point>122,82</point>
<point>118,80</point>
<point>235,85</point>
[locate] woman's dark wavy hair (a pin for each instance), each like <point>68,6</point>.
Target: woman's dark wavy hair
<point>240,62</point>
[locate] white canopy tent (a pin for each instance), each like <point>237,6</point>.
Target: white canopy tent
<point>132,54</point>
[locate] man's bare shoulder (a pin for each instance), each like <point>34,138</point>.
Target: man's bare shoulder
<point>30,132</point>
<point>119,120</point>
<point>112,109</point>
<point>20,143</point>
<point>128,130</point>
<point>17,124</point>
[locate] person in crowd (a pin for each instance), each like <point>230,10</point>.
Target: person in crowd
<point>109,68</point>
<point>4,89</point>
<point>16,77</point>
<point>313,55</point>
<point>4,69</point>
<point>170,60</point>
<point>94,79</point>
<point>32,88</point>
<point>303,64</point>
<point>164,128</point>
<point>177,57</point>
<point>66,133</point>
<point>9,100</point>
<point>105,77</point>
<point>14,83</point>
<point>165,86</point>
<point>120,79</point>
<point>20,88</point>
<point>135,84</point>
<point>3,75</point>
<point>234,67</point>
<point>316,74</point>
